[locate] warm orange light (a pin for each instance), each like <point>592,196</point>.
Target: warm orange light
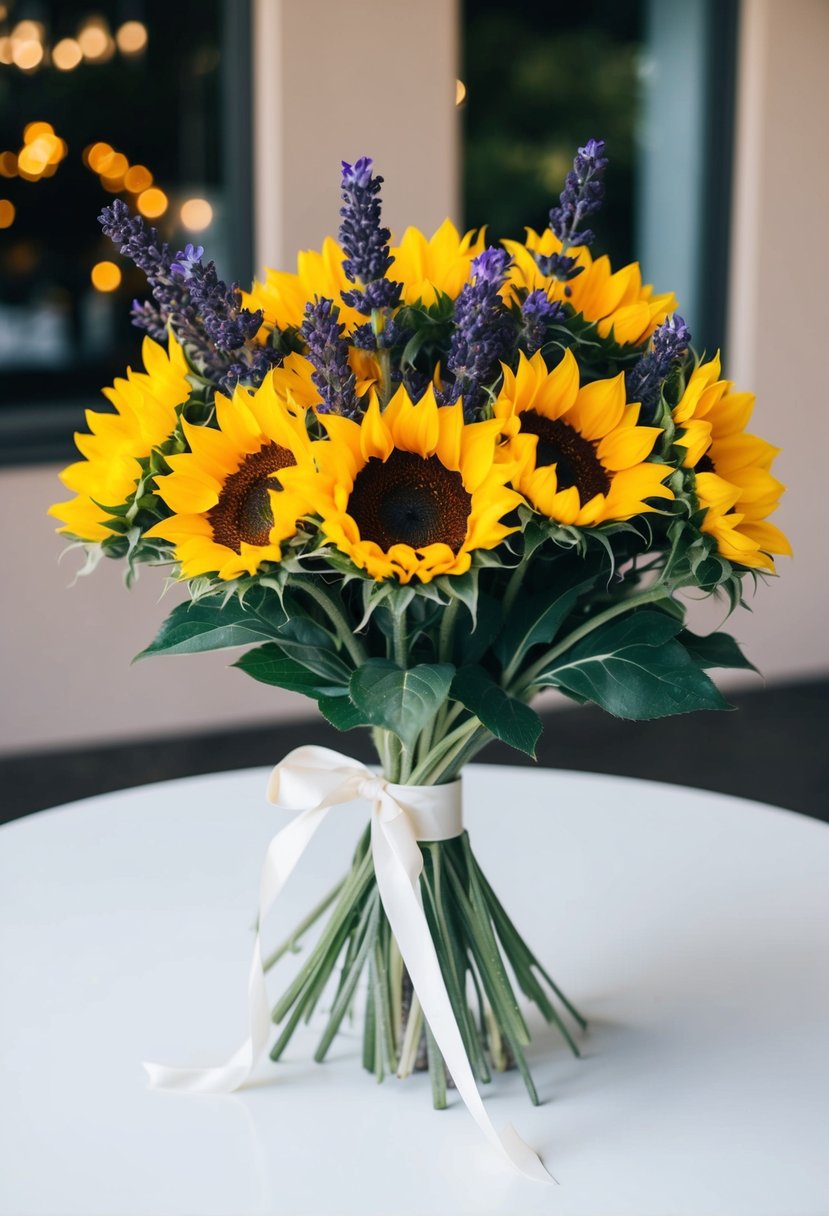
<point>94,40</point>
<point>28,31</point>
<point>131,37</point>
<point>152,203</point>
<point>66,54</point>
<point>196,214</point>
<point>7,213</point>
<point>34,130</point>
<point>27,55</point>
<point>96,155</point>
<point>33,158</point>
<point>113,184</point>
<point>8,164</point>
<point>138,178</point>
<point>460,92</point>
<point>114,165</point>
<point>6,50</point>
<point>105,276</point>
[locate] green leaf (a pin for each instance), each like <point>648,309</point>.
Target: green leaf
<point>634,668</point>
<point>714,650</point>
<point>474,644</point>
<point>505,717</point>
<point>536,618</point>
<point>270,665</point>
<point>400,700</point>
<point>342,713</point>
<point>218,622</point>
<point>315,648</point>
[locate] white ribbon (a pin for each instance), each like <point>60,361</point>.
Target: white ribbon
<point>312,780</point>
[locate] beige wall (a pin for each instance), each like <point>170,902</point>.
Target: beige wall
<point>64,662</point>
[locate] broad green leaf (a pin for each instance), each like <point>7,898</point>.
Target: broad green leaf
<point>400,700</point>
<point>270,665</point>
<point>634,668</point>
<point>536,618</point>
<point>216,623</point>
<point>315,648</point>
<point>342,713</point>
<point>714,650</point>
<point>508,719</point>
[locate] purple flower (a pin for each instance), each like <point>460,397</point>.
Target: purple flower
<point>644,380</point>
<point>365,242</point>
<point>186,262</point>
<point>582,196</point>
<point>538,314</point>
<point>328,352</point>
<point>484,332</point>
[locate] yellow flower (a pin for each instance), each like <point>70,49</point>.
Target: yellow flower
<point>220,491</point>
<point>619,302</point>
<point>408,492</point>
<point>145,415</point>
<point>580,455</point>
<point>283,295</point>
<point>733,479</point>
<point>440,263</point>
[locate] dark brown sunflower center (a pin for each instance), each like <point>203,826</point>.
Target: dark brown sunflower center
<point>574,456</point>
<point>705,465</point>
<point>243,512</point>
<point>409,500</point>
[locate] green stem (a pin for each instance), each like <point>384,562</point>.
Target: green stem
<point>513,587</point>
<point>527,677</point>
<point>400,653</point>
<point>447,631</point>
<point>337,618</point>
<point>292,942</point>
<point>423,773</point>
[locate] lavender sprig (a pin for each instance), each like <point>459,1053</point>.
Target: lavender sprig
<point>644,380</point>
<point>582,196</point>
<point>328,352</point>
<point>484,332</point>
<point>205,314</point>
<point>538,313</point>
<point>364,240</point>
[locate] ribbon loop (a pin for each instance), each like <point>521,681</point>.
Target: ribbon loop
<point>311,780</point>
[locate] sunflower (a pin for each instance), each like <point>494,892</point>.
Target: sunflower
<point>219,491</point>
<point>283,295</point>
<point>438,264</point>
<point>581,458</point>
<point>618,301</point>
<point>411,491</point>
<point>732,468</point>
<point>145,415</point>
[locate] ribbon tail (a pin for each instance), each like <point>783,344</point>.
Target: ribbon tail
<point>283,853</point>
<point>397,863</point>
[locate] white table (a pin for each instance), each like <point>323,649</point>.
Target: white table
<point>692,929</point>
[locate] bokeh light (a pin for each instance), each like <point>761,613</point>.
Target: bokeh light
<point>105,276</point>
<point>7,213</point>
<point>8,164</point>
<point>95,155</point>
<point>460,92</point>
<point>131,38</point>
<point>94,40</point>
<point>66,54</point>
<point>196,214</point>
<point>152,203</point>
<point>138,178</point>
<point>27,55</point>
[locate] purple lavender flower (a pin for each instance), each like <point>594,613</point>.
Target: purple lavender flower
<point>328,352</point>
<point>537,314</point>
<point>484,332</point>
<point>365,242</point>
<point>205,314</point>
<point>582,196</point>
<point>644,380</point>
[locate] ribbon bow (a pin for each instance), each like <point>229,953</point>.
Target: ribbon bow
<point>312,780</point>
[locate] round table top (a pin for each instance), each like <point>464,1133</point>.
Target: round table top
<point>692,929</point>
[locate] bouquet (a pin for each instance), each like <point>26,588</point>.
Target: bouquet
<point>420,483</point>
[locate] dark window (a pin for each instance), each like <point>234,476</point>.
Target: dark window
<point>144,101</point>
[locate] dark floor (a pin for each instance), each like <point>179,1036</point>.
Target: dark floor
<point>774,749</point>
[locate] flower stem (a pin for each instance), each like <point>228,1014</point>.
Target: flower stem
<point>337,618</point>
<point>527,677</point>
